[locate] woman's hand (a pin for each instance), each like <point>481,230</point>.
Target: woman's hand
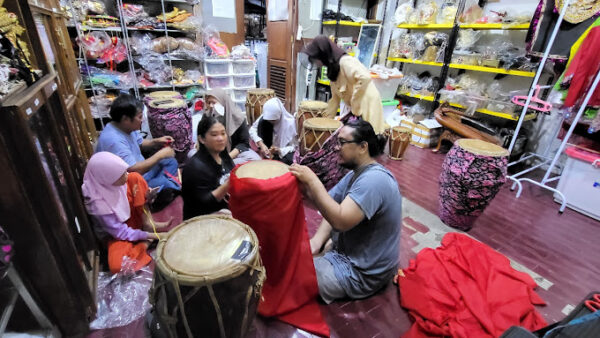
<point>263,150</point>
<point>275,151</point>
<point>234,153</point>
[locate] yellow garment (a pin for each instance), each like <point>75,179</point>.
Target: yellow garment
<point>355,88</point>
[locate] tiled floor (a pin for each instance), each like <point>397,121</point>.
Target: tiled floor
<point>560,251</point>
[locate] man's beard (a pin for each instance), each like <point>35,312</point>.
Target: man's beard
<point>349,165</point>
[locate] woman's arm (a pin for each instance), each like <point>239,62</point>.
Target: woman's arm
<point>240,139</point>
<point>119,230</point>
<point>362,78</point>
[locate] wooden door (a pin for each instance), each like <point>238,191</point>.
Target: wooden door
<point>281,64</point>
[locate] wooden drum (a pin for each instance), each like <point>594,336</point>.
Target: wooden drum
<point>315,132</point>
<point>255,99</point>
<point>308,110</point>
<point>472,174</point>
<point>399,139</point>
<point>208,278</point>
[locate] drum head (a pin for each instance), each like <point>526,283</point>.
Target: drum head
<point>480,147</point>
<point>167,102</point>
<point>322,123</point>
<point>262,170</point>
<point>207,247</point>
<point>313,105</point>
<point>261,91</point>
<point>161,94</point>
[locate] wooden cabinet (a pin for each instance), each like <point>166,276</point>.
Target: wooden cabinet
<point>44,145</point>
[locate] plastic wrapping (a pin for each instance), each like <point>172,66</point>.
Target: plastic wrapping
<point>427,13</point>
<point>117,52</point>
<point>100,104</point>
<point>417,45</point>
<point>94,43</point>
<point>417,112</point>
<point>467,39</point>
<point>164,44</point>
<point>471,14</point>
<point>403,12</point>
<point>447,13</point>
<point>191,24</point>
<point>384,72</point>
<point>156,69</point>
<point>133,13</point>
<point>215,47</point>
<point>400,46</point>
<point>123,297</point>
<point>435,45</point>
<point>241,52</point>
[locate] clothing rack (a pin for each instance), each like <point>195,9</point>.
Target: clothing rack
<point>551,162</point>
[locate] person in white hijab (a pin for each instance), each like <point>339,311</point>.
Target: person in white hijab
<point>274,132</point>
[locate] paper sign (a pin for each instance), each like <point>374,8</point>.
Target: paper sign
<point>224,8</point>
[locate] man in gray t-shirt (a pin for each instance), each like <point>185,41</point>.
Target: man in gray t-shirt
<point>362,216</point>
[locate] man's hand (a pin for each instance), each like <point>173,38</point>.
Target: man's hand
<point>165,152</point>
<point>263,150</point>
<point>163,141</point>
<point>303,174</point>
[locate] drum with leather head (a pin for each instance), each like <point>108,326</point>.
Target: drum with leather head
<point>255,100</point>
<point>208,278</point>
<point>163,94</point>
<point>315,132</point>
<point>309,109</point>
<point>399,139</point>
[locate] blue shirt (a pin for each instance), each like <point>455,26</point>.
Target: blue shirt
<point>126,146</point>
<point>365,258</point>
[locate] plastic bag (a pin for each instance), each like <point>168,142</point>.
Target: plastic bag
<point>403,12</point>
<point>417,112</point>
<point>447,13</point>
<point>467,39</point>
<point>141,43</point>
<point>133,13</point>
<point>215,47</point>
<point>417,45</point>
<point>435,45</point>
<point>117,52</point>
<point>400,46</point>
<point>192,24</point>
<point>95,43</point>
<point>164,44</point>
<point>156,69</point>
<point>123,297</point>
<point>427,13</point>
<point>471,15</point>
<point>384,72</point>
<point>241,52</point>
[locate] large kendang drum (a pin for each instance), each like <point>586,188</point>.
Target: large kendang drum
<point>399,139</point>
<point>170,117</point>
<point>315,132</point>
<point>307,110</point>
<point>208,278</point>
<point>472,174</point>
<point>255,100</point>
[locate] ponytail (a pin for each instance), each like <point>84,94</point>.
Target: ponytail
<point>363,132</point>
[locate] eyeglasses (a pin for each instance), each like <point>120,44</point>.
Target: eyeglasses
<point>341,142</point>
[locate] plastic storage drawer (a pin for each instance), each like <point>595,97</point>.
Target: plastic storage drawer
<point>243,81</point>
<point>243,66</point>
<point>213,82</point>
<point>240,94</point>
<point>217,67</point>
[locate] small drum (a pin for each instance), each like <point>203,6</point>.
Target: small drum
<point>255,99</point>
<point>169,116</point>
<point>208,279</point>
<point>315,132</point>
<point>399,139</point>
<point>472,174</point>
<point>308,110</point>
<point>262,170</point>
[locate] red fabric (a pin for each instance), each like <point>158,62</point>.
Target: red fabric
<point>274,210</point>
<point>466,289</point>
<point>583,68</point>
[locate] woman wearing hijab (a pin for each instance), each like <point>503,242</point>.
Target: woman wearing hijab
<point>116,200</point>
<point>221,106</point>
<point>350,81</point>
<point>205,175</point>
<point>274,132</point>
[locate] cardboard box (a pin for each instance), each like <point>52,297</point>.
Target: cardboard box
<point>425,134</point>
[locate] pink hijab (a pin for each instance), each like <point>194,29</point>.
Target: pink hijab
<point>101,196</point>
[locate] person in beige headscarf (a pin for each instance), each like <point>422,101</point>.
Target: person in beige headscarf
<point>220,105</point>
<point>350,82</point>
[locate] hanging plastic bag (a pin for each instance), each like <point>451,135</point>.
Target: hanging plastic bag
<point>215,47</point>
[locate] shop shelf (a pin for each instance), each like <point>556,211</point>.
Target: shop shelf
<point>492,70</point>
<point>417,62</point>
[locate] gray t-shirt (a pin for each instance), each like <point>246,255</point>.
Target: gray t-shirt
<point>366,257</point>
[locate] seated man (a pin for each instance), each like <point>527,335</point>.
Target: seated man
<point>361,215</point>
<point>122,138</point>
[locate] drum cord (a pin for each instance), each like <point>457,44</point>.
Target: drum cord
<point>152,223</point>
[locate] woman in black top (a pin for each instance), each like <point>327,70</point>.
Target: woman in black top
<point>206,174</point>
<point>220,105</point>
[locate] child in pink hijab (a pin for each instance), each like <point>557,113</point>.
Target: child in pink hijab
<point>105,190</point>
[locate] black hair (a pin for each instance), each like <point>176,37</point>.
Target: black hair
<point>205,124</point>
<point>125,105</point>
<point>363,132</point>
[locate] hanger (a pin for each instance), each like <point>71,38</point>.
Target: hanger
<point>535,103</point>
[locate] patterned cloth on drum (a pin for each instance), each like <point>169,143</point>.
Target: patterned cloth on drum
<point>171,117</point>
<point>255,99</point>
<point>472,175</point>
<point>208,279</point>
<point>324,162</point>
<point>308,110</point>
<point>266,196</point>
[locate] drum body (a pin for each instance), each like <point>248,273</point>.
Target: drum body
<point>472,174</point>
<point>308,110</point>
<point>208,278</point>
<point>170,117</point>
<point>315,132</point>
<point>255,100</point>
<point>399,139</point>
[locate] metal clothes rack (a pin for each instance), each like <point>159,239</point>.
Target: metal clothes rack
<point>545,159</point>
